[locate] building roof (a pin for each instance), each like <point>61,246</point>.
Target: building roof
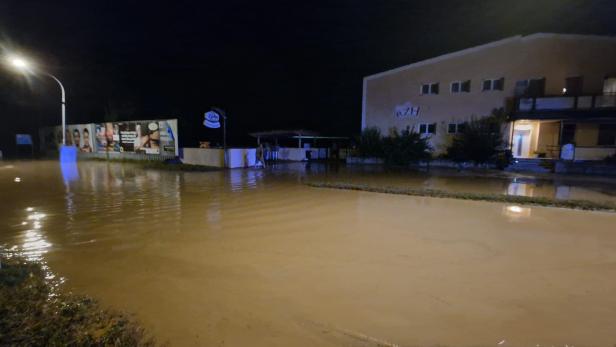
<point>488,45</point>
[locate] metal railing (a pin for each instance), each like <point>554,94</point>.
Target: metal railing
<point>564,102</point>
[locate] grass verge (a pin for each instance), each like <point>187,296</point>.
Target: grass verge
<point>513,199</point>
<point>33,314</point>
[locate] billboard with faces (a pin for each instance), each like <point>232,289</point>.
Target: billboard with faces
<point>78,135</point>
<point>147,136</point>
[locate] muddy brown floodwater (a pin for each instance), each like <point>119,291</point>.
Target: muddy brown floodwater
<point>255,258</point>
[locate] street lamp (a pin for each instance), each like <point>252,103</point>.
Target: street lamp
<point>24,66</point>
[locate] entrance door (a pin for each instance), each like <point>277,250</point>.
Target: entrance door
<point>521,143</point>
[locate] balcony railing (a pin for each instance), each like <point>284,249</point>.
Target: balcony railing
<point>562,103</point>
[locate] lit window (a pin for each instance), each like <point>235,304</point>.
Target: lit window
<point>429,88</point>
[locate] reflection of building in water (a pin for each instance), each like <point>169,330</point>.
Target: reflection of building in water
<point>563,192</point>
<point>520,189</point>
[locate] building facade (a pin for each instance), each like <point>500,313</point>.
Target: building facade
<point>558,90</point>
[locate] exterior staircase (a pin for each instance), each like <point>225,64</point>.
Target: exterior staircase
<point>532,165</point>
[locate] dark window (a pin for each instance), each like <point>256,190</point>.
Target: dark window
<point>466,86</point>
<point>422,128</point>
<point>574,85</point>
<point>451,128</point>
<point>432,128</point>
<point>486,85</point>
<point>498,84</point>
<point>461,127</point>
<point>521,88</point>
<point>568,134</point>
<point>455,87</point>
<point>536,87</point>
<point>429,88</point>
<point>607,135</point>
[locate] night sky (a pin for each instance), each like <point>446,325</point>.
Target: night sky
<point>270,65</point>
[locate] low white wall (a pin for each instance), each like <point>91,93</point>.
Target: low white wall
<point>299,154</point>
<point>204,156</point>
<point>593,153</point>
<point>241,157</point>
<point>244,157</point>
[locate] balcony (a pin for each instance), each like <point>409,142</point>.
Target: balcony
<point>562,106</point>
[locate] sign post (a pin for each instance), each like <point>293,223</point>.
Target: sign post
<point>212,120</point>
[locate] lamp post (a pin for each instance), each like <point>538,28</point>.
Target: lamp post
<point>24,66</point>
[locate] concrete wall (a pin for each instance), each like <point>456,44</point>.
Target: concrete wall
<point>586,134</point>
<point>593,153</point>
<point>554,57</point>
<point>241,157</point>
<point>204,156</point>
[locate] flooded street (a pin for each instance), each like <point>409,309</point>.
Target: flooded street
<point>256,258</point>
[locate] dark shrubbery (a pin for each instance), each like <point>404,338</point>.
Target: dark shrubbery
<point>400,148</point>
<point>31,314</point>
<point>370,143</point>
<point>480,141</point>
<point>405,148</point>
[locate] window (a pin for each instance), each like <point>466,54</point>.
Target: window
<point>453,128</point>
<point>493,84</point>
<point>461,86</point>
<point>455,87</point>
<point>609,85</point>
<point>429,88</point>
<point>426,128</point>
<point>573,85</point>
<point>533,87</point>
<point>607,135</point>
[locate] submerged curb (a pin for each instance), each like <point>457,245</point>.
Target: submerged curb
<point>522,200</point>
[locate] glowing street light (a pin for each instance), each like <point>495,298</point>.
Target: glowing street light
<point>23,65</point>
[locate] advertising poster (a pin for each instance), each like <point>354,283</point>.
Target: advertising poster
<point>149,137</point>
<point>146,136</point>
<point>78,135</point>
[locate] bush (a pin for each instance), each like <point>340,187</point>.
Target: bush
<point>370,143</point>
<point>480,141</point>
<point>32,314</point>
<point>405,148</point>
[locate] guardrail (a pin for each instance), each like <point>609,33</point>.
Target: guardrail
<point>563,102</point>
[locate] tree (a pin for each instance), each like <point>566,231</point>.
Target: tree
<point>370,143</point>
<point>405,147</point>
<point>480,141</point>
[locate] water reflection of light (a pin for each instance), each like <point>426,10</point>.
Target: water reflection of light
<point>34,244</point>
<point>69,170</point>
<point>17,179</point>
<point>516,212</point>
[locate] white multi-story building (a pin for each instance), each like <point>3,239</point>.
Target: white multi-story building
<point>556,89</point>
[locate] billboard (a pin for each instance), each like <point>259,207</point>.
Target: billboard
<point>158,137</point>
<point>78,135</point>
<point>147,136</point>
